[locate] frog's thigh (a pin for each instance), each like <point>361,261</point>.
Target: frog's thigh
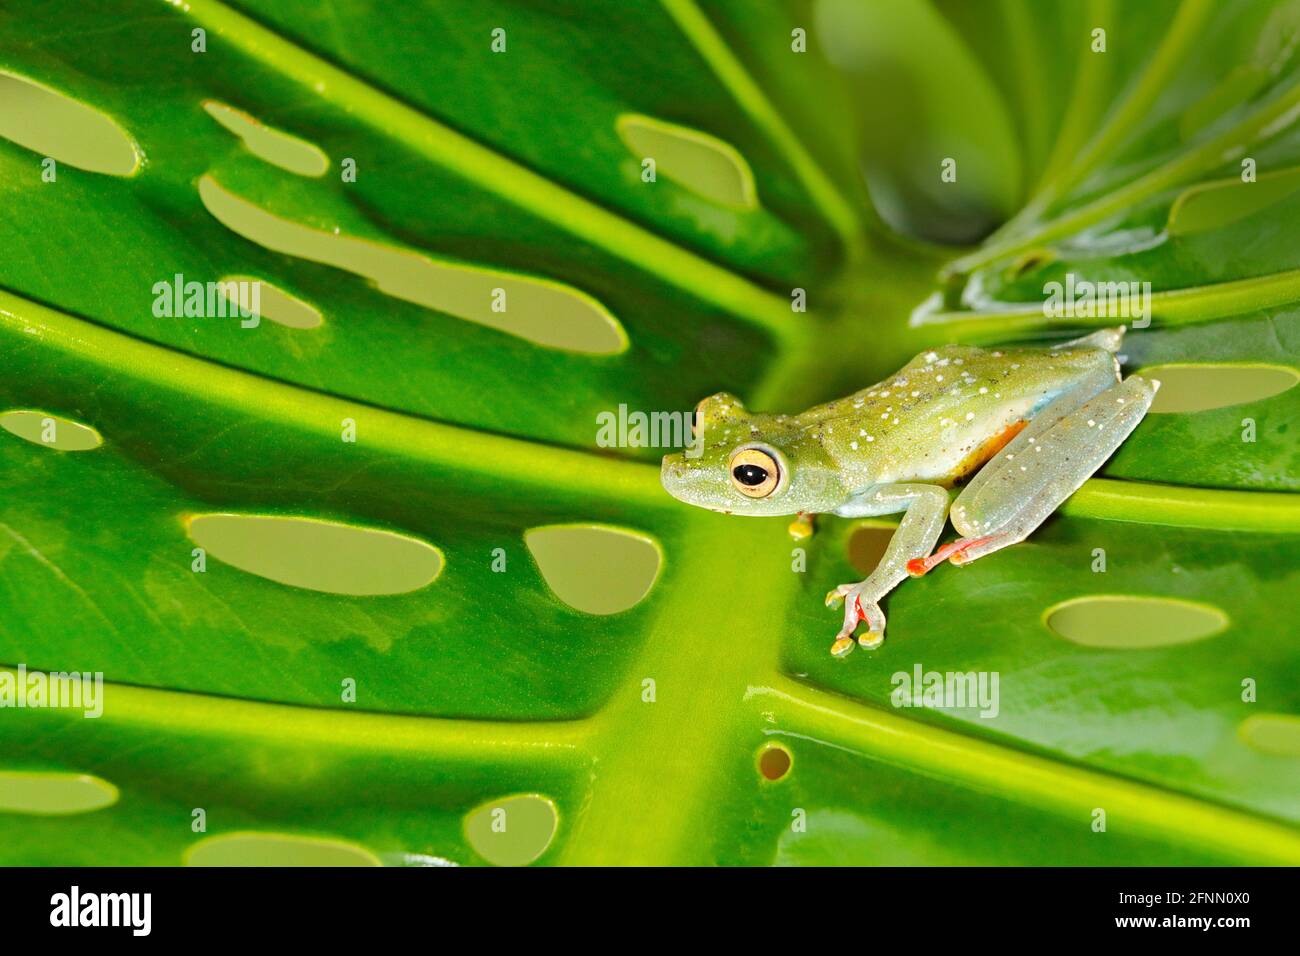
<point>1030,478</point>
<point>1086,388</point>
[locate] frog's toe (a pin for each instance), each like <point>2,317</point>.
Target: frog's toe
<point>870,612</point>
<point>857,609</point>
<point>872,639</point>
<point>919,566</point>
<point>836,595</point>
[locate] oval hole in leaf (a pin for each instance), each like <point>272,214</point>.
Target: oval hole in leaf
<point>64,129</point>
<point>702,163</point>
<point>1131,622</point>
<point>1275,734</point>
<point>266,142</point>
<point>593,568</point>
<point>53,794</point>
<point>1218,204</point>
<point>50,431</point>
<point>1197,388</point>
<point>276,849</point>
<point>774,762</point>
<point>320,555</point>
<point>273,302</point>
<point>867,546</point>
<point>513,831</point>
<point>543,312</point>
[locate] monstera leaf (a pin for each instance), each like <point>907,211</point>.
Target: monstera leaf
<point>366,586</point>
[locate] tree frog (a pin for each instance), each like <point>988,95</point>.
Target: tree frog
<point>1026,426</point>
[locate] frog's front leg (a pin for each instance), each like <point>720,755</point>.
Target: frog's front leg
<point>926,509</point>
<point>802,526</point>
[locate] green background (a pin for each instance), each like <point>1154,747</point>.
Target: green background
<point>224,687</point>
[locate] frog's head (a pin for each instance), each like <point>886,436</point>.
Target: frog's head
<point>746,464</point>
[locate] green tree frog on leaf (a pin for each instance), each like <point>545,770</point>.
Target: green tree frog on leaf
<point>1027,426</point>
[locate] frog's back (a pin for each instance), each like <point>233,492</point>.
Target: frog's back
<point>949,409</point>
<point>955,374</point>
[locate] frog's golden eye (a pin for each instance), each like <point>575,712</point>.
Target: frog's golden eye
<point>754,472</point>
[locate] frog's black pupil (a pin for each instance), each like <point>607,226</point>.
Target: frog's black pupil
<point>750,475</point>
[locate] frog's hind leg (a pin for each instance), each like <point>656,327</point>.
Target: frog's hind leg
<point>1029,479</point>
<point>1109,339</point>
<point>926,509</point>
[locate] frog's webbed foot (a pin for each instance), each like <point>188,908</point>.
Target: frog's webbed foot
<point>924,509</point>
<point>858,607</point>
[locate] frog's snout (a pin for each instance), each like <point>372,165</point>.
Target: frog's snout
<point>672,473</point>
<point>681,478</point>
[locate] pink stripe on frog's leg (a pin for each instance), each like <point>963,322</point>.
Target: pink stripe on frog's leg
<point>918,566</point>
<point>973,548</point>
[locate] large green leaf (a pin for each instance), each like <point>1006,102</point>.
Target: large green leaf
<point>703,722</point>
